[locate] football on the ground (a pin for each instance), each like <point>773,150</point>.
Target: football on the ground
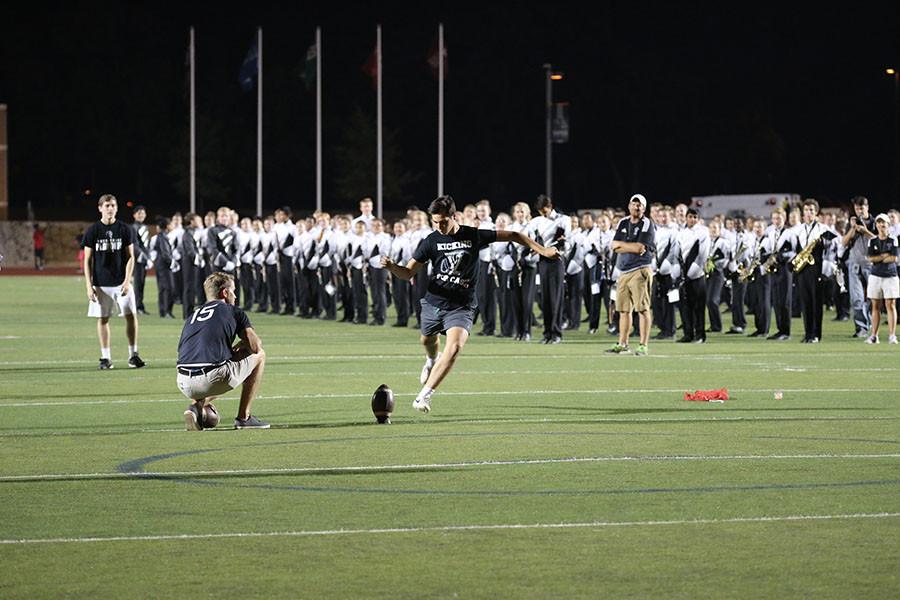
<point>209,417</point>
<point>383,404</point>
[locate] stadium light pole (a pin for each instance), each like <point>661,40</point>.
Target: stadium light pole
<point>551,76</point>
<point>895,143</point>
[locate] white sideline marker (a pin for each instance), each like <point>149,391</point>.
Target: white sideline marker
<point>455,465</point>
<point>449,528</point>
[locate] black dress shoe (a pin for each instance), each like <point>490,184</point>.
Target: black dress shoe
<point>783,337</point>
<point>555,340</point>
<point>684,340</point>
<point>399,325</point>
<point>757,334</point>
<point>699,341</point>
<point>774,336</point>
<point>734,330</point>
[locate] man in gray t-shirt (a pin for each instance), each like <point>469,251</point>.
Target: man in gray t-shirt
<point>855,240</point>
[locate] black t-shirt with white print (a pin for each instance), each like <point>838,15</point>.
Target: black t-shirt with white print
<point>109,244</point>
<point>454,265</point>
<point>208,333</point>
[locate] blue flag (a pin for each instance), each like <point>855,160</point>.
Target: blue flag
<point>250,67</point>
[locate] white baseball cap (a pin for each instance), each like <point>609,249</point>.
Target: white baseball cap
<point>883,217</point>
<point>640,198</point>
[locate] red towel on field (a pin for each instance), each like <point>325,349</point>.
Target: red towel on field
<point>707,395</point>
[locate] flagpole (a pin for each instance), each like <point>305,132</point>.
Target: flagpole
<point>259,120</point>
<point>440,109</point>
<point>193,183</point>
<point>378,78</point>
<point>319,119</point>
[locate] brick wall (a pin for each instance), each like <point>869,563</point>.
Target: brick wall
<point>60,247</point>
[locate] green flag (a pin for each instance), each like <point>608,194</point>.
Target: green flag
<point>309,68</point>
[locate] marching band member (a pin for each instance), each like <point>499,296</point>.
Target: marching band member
<point>720,255</point>
<point>377,244</point>
<point>574,282</point>
<point>551,228</point>
<point>285,234</point>
<point>759,283</point>
<point>400,288</point>
<point>485,285</point>
<point>246,243</point>
<point>693,242</point>
<point>781,241</point>
<point>810,236</point>
<point>668,273</point>
<point>527,269</point>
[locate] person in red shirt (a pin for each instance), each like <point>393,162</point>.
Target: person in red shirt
<point>38,237</point>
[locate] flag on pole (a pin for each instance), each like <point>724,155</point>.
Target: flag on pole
<point>250,67</point>
<point>309,68</point>
<point>433,60</point>
<point>370,67</point>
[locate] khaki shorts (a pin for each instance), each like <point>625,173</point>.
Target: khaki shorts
<point>880,288</point>
<point>633,290</point>
<point>218,381</point>
<point>110,300</point>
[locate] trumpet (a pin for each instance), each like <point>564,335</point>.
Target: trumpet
<point>805,257</point>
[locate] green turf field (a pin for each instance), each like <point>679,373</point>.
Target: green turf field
<point>542,472</point>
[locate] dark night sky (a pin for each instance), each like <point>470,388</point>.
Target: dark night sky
<point>672,101</point>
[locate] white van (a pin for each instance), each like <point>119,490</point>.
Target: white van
<point>747,205</point>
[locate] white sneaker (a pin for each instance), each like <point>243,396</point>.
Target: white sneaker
<point>892,339</point>
<point>872,339</point>
<point>422,405</point>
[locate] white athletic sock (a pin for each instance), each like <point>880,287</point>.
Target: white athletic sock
<point>132,350</point>
<point>429,362</point>
<point>425,393</point>
<point>104,353</point>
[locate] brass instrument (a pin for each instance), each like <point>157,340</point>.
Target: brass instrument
<point>770,263</point>
<point>749,272</point>
<point>805,257</point>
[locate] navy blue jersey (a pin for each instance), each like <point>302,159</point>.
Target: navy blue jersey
<point>877,247</point>
<point>644,232</point>
<point>208,333</point>
<point>454,263</point>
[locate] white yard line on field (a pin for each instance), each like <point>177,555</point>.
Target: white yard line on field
<point>422,467</point>
<point>451,528</point>
<point>317,396</point>
<point>594,354</point>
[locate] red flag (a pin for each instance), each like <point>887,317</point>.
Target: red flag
<point>433,60</point>
<point>370,67</point>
